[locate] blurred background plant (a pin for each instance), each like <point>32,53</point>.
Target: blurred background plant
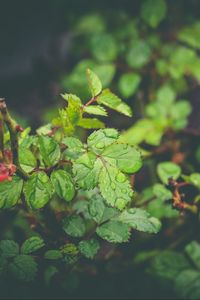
<point>148,53</point>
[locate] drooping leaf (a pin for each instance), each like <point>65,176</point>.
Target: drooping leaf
<point>63,184</point>
<point>114,232</point>
<point>38,190</point>
<point>90,123</point>
<point>89,248</point>
<point>95,110</point>
<point>74,226</point>
<point>32,244</point>
<point>110,100</point>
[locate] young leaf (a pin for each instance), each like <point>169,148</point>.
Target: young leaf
<point>140,220</point>
<point>74,226</point>
<point>114,232</point>
<point>63,184</point>
<point>10,192</point>
<point>89,248</point>
<point>94,83</point>
<point>8,248</point>
<point>95,110</point>
<point>32,244</point>
<point>23,268</point>
<point>49,150</point>
<point>38,190</point>
<point>110,100</point>
<point>167,170</point>
<point>90,123</point>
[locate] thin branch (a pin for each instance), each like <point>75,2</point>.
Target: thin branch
<point>13,128</point>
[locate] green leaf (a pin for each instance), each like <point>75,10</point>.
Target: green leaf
<point>63,184</point>
<point>95,110</point>
<point>102,138</point>
<point>167,170</point>
<point>110,100</point>
<point>126,158</point>
<point>49,273</point>
<point>8,248</point>
<point>74,226</point>
<point>27,160</point>
<point>10,192</point>
<point>193,251</point>
<point>114,186</point>
<point>98,211</point>
<point>23,268</point>
<point>89,123</point>
<point>161,192</point>
<point>38,190</point>
<point>89,248</point>
<point>187,284</point>
<point>94,83</point>
<point>190,35</point>
<point>53,254</point>
<point>91,23</point>
<point>140,220</point>
<point>104,47</point>
<point>85,172</point>
<point>166,95</point>
<point>195,179</point>
<point>114,232</point>
<point>128,84</point>
<point>74,147</point>
<point>138,54</point>
<point>32,244</point>
<point>153,12</point>
<point>49,150</point>
<point>168,264</point>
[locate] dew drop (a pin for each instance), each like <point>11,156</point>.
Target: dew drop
<point>120,177</point>
<point>124,191</point>
<point>100,145</point>
<point>120,203</point>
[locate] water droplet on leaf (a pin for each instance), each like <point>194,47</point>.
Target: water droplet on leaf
<point>121,177</point>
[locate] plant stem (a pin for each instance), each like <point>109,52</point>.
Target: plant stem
<point>13,128</point>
